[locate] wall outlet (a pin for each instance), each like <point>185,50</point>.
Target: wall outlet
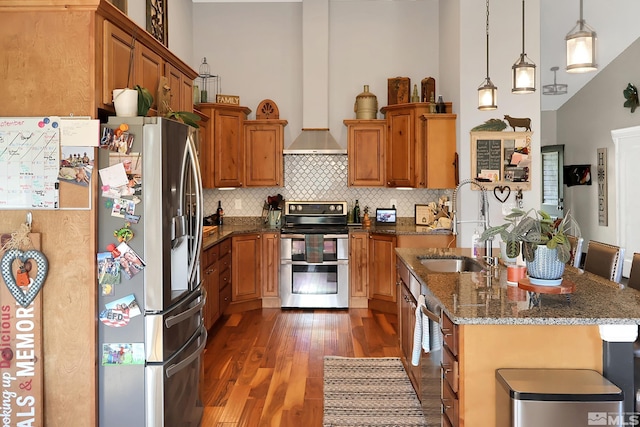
<point>237,204</point>
<point>393,202</point>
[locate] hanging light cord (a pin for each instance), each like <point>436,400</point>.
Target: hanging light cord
<point>523,54</point>
<point>487,30</point>
<point>581,20</point>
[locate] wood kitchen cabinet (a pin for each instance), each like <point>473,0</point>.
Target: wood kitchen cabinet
<point>472,353</point>
<point>358,268</point>
<point>205,151</point>
<point>406,324</point>
<point>382,272</point>
<point>439,159</point>
<point>270,269</point>
<point>264,162</point>
<point>151,61</point>
<point>216,280</point>
<point>223,155</point>
<point>366,150</point>
<point>417,145</point>
<point>224,274</point>
<point>210,283</point>
<point>181,89</point>
<point>246,271</point>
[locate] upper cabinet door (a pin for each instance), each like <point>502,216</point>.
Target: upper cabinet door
<point>228,145</point>
<point>366,149</point>
<point>116,56</point>
<point>149,69</point>
<point>401,148</point>
<point>264,140</point>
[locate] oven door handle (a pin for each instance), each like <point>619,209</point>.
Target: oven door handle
<point>339,262</point>
<point>326,236</point>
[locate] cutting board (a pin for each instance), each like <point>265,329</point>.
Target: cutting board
<point>208,230</point>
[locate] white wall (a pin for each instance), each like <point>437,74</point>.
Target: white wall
<point>584,124</point>
<point>505,45</point>
<point>256,49</point>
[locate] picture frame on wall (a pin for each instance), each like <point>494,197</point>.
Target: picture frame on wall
<point>157,20</point>
<point>120,4</point>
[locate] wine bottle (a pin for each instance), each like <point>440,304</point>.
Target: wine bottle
<point>219,212</point>
<point>356,212</point>
<point>440,106</point>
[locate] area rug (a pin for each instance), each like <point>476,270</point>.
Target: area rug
<point>369,392</point>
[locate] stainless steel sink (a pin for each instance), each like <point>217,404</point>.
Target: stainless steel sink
<point>452,265</point>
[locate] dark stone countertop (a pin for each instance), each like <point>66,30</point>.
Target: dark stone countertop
<point>245,225</point>
<point>475,299</point>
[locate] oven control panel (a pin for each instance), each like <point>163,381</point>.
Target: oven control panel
<point>307,208</point>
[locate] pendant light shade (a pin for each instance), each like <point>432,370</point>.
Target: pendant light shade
<point>487,92</point>
<point>581,47</point>
<point>523,71</point>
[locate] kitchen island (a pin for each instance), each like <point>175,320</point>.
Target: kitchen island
<point>490,324</point>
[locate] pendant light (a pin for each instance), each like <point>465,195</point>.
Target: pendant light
<point>581,47</point>
<point>555,88</point>
<point>524,72</point>
<point>487,92</point>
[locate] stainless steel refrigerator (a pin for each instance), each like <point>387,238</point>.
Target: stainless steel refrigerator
<point>151,334</point>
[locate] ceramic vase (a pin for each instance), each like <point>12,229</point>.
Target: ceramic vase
<point>545,264</point>
<point>366,106</point>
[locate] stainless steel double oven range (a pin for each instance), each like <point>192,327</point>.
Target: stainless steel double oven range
<point>314,264</point>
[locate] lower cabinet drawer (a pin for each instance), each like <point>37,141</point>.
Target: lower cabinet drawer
<point>225,298</point>
<point>449,404</point>
<point>450,334</point>
<point>225,277</point>
<point>450,369</point>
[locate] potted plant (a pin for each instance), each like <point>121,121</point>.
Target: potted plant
<point>542,240</point>
<point>132,102</point>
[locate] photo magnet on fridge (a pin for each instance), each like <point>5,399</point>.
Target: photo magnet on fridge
<point>130,263</point>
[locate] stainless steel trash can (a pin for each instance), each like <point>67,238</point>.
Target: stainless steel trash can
<point>556,398</point>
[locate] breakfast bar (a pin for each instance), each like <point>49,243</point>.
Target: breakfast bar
<point>489,324</point>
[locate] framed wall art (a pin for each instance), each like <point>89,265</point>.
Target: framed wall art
<point>157,20</point>
<point>120,4</point>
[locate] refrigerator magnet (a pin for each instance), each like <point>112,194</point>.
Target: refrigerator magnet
<point>115,318</point>
<point>127,305</point>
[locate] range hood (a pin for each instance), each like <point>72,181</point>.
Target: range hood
<point>315,137</point>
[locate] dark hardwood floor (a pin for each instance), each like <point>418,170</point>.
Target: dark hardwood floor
<point>264,367</point>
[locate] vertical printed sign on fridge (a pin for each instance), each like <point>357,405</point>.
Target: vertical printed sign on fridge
<point>21,358</point>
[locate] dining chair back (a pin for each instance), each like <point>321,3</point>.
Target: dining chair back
<point>605,260</point>
<point>576,250</point>
<point>634,274</point>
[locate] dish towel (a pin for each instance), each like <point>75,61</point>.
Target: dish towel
<point>314,247</point>
<point>426,334</point>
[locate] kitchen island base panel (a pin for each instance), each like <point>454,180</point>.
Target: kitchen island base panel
<point>485,348</point>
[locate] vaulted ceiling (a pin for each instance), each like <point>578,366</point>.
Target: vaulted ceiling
<point>616,24</point>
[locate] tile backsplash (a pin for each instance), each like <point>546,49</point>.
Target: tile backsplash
<point>317,177</point>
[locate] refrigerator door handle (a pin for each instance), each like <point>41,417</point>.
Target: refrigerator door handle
<point>192,154</point>
<point>175,368</point>
<point>173,320</point>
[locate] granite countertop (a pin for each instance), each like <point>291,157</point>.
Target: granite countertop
<point>481,299</point>
<point>244,225</point>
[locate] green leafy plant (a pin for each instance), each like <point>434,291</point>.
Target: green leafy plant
<point>145,100</point>
<point>631,96</point>
<point>525,230</point>
<point>186,117</point>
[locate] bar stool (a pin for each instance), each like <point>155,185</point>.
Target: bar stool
<point>605,260</point>
<point>634,274</point>
<point>576,250</point>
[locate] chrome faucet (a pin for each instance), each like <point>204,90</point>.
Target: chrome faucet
<point>484,213</point>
